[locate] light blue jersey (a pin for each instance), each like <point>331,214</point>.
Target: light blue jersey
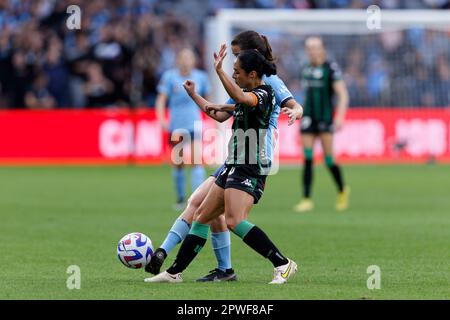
<point>183,110</point>
<point>282,94</point>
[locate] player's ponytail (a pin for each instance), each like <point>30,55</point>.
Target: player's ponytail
<point>248,40</point>
<point>253,60</point>
<point>268,54</point>
<point>269,68</point>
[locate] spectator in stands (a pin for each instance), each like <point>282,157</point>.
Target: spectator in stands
<point>442,93</point>
<point>22,75</point>
<point>98,88</point>
<point>56,71</point>
<point>39,97</point>
<point>119,34</point>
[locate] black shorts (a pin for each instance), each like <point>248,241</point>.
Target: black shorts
<point>309,125</point>
<point>242,178</point>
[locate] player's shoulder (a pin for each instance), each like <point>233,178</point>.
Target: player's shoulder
<point>335,70</point>
<point>263,90</point>
<point>273,80</point>
<point>333,65</point>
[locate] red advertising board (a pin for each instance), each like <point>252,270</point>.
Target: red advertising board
<point>118,136</point>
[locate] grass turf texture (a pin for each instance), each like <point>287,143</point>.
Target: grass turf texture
<point>53,217</point>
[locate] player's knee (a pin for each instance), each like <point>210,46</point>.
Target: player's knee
<point>194,200</point>
<point>232,222</point>
<point>198,213</point>
<point>219,224</point>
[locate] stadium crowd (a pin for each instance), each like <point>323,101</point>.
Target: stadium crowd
<point>123,47</point>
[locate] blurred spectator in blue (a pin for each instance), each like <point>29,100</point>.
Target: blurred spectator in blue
<point>57,73</point>
<point>377,78</point>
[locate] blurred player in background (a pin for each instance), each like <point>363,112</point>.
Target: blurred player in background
<point>184,113</point>
<point>220,234</point>
<point>323,82</point>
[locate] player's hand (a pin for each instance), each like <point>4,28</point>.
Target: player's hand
<point>218,58</point>
<point>189,86</point>
<point>212,108</point>
<point>293,114</point>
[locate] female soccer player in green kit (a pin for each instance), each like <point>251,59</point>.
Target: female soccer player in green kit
<point>220,235</point>
<point>242,181</point>
<point>323,81</point>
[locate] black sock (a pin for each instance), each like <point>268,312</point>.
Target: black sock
<point>307,178</point>
<point>189,249</point>
<point>337,176</point>
<point>258,241</point>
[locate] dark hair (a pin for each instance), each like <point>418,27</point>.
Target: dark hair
<point>248,40</point>
<point>253,60</point>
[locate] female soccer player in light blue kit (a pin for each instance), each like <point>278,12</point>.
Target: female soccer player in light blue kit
<point>220,235</point>
<point>184,114</point>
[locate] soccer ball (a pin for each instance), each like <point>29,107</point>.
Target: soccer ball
<point>135,250</point>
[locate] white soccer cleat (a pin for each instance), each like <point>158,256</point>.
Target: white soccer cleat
<point>282,273</point>
<point>165,277</point>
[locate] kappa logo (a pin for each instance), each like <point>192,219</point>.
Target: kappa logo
<point>247,182</point>
<point>306,122</point>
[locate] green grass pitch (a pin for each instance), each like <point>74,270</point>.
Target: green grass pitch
<point>54,217</point>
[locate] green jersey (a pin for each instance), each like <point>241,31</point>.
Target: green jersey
<point>318,83</point>
<point>250,142</point>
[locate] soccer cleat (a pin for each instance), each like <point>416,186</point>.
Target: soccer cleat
<point>304,205</point>
<point>165,277</point>
<point>282,273</point>
<point>219,275</point>
<point>342,199</point>
<point>157,260</point>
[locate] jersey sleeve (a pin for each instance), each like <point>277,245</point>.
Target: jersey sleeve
<point>336,73</point>
<point>263,98</point>
<point>282,93</point>
<point>164,84</point>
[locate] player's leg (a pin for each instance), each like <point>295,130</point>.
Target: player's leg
<point>197,170</point>
<point>178,176</point>
<point>238,204</point>
<point>306,203</point>
<point>178,172</point>
<point>209,209</point>
<point>221,244</point>
<point>180,227</point>
<point>343,192</point>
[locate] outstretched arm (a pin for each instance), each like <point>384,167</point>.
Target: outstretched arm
<point>202,103</point>
<point>236,93</point>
